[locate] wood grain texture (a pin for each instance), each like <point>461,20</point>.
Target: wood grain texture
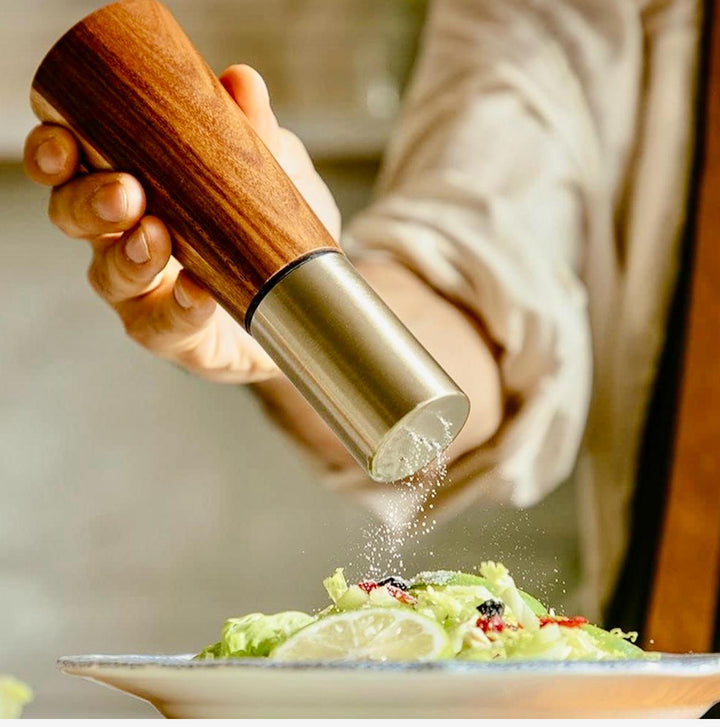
<point>682,612</point>
<point>130,84</point>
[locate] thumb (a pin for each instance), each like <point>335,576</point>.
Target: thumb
<point>247,88</point>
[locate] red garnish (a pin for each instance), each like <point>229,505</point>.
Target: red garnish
<point>402,596</point>
<point>495,624</point>
<point>368,586</point>
<point>567,621</point>
<point>398,593</point>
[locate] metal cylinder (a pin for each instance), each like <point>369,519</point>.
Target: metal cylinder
<point>384,396</point>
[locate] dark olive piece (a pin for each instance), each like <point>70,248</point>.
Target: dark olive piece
<point>395,582</point>
<point>491,608</point>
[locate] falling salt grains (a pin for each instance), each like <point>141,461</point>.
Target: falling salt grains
<point>404,509</point>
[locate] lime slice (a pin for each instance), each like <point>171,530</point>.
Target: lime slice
<point>374,634</point>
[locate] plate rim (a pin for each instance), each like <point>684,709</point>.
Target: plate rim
<point>667,664</point>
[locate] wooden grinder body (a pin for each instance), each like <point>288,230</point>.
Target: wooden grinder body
<point>131,86</point>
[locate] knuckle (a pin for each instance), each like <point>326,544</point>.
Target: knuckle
<point>63,212</point>
<point>146,326</point>
<point>99,278</point>
<point>93,277</point>
<point>78,208</point>
<point>137,329</point>
<point>55,210</point>
<point>194,358</point>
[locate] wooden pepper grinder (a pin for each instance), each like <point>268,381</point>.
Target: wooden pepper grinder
<point>136,93</point>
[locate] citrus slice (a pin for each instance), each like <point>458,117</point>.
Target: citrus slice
<point>374,634</point>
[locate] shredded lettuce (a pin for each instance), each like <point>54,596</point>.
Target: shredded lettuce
<point>336,585</point>
<point>451,605</point>
<point>355,598</point>
<point>504,586</point>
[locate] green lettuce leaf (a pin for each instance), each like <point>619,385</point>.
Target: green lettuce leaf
<point>336,585</point>
<point>615,643</point>
<point>433,578</point>
<point>468,579</point>
<point>256,634</point>
<point>535,606</point>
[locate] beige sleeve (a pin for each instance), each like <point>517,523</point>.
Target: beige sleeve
<point>484,194</point>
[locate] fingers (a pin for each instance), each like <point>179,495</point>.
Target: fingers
<point>133,265</point>
<point>97,204</point>
<point>89,206</point>
<point>249,91</point>
<point>168,319</point>
<point>51,155</point>
<point>160,304</point>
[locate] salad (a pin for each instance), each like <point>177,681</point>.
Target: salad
<point>435,615</point>
<point>14,695</point>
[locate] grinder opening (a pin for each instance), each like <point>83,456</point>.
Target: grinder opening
<point>419,438</point>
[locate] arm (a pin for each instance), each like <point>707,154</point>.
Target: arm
<point>484,197</point>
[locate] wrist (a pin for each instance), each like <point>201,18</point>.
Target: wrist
<point>457,340</point>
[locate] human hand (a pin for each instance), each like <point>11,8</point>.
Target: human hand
<point>161,306</point>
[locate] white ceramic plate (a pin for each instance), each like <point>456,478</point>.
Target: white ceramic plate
<point>674,686</point>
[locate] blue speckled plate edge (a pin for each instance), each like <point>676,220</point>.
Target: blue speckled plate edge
<point>670,664</point>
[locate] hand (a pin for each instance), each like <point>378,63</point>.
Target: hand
<point>166,311</point>
<point>160,305</point>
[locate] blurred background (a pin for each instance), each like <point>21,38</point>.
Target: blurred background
<point>140,507</point>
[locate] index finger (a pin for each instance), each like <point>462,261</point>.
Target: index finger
<point>51,155</point>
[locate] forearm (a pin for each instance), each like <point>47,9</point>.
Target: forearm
<point>449,334</point>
